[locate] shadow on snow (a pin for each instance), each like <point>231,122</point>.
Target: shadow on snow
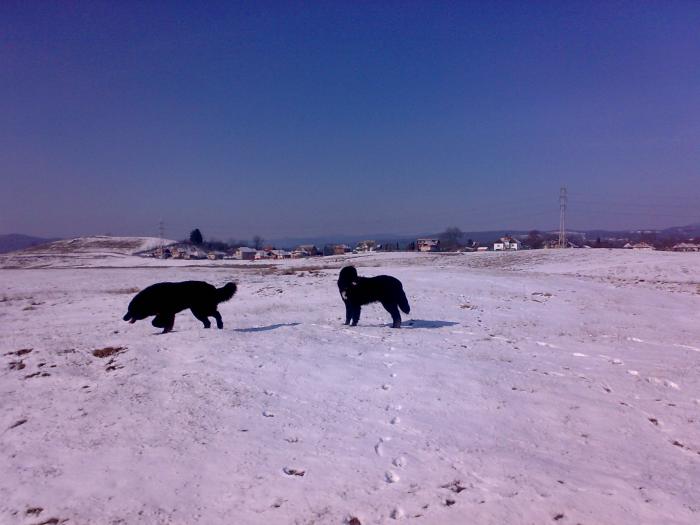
<point>264,328</point>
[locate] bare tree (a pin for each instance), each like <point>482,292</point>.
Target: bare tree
<point>534,240</point>
<point>258,242</point>
<point>450,238</point>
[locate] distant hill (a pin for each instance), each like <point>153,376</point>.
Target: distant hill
<point>685,232</point>
<point>16,241</point>
<point>96,245</point>
<point>82,252</point>
<point>691,230</point>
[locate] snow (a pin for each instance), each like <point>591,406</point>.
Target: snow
<point>531,387</point>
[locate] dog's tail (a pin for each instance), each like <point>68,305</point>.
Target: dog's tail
<point>225,292</point>
<point>403,303</point>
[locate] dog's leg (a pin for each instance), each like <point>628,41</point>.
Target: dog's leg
<point>158,321</point>
<point>199,314</point>
<point>219,322</point>
<point>168,322</point>
<point>348,312</point>
<point>356,315</point>
<point>393,309</point>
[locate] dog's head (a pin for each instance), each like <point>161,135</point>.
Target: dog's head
<point>347,278</point>
<point>133,316</point>
<point>137,309</point>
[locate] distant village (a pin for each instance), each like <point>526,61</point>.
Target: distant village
<point>450,241</point>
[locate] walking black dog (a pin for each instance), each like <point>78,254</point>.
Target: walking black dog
<point>164,300</point>
<point>357,291</point>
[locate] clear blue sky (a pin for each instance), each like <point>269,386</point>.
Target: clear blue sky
<point>310,118</point>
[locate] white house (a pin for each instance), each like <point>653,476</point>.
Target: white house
<point>428,245</point>
<point>686,247</point>
<point>507,243</point>
<point>245,254</point>
<point>639,246</point>
<point>280,254</point>
<point>366,246</point>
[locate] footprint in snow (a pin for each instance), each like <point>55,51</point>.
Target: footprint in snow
<point>664,382</point>
<point>399,462</point>
<point>391,477</point>
<point>379,447</point>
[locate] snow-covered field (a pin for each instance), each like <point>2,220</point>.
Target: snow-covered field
<point>537,387</point>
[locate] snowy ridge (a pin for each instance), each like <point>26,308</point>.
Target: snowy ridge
<point>542,387</point>
<point>81,252</point>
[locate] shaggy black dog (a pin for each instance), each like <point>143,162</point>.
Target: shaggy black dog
<point>164,300</point>
<point>357,291</point>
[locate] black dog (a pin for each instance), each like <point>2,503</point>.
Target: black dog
<point>164,300</point>
<point>357,291</point>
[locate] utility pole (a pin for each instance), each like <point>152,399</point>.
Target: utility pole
<point>562,213</point>
<point>161,234</point>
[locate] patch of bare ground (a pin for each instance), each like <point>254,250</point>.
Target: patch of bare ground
<point>37,374</point>
<point>131,290</point>
<point>112,352</point>
<point>21,352</point>
<point>52,521</point>
<point>9,299</point>
<point>108,351</point>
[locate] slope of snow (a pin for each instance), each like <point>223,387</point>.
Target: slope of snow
<point>83,251</point>
<point>537,387</point>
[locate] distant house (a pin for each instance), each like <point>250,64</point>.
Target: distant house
<point>184,251</point>
<point>245,254</point>
<point>281,254</point>
<point>428,245</point>
<point>366,246</point>
<point>639,246</point>
<point>482,248</point>
<point>507,243</point>
<point>341,249</point>
<point>309,249</point>
<point>215,255</point>
<point>554,243</point>
<point>686,247</point>
<point>262,254</point>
